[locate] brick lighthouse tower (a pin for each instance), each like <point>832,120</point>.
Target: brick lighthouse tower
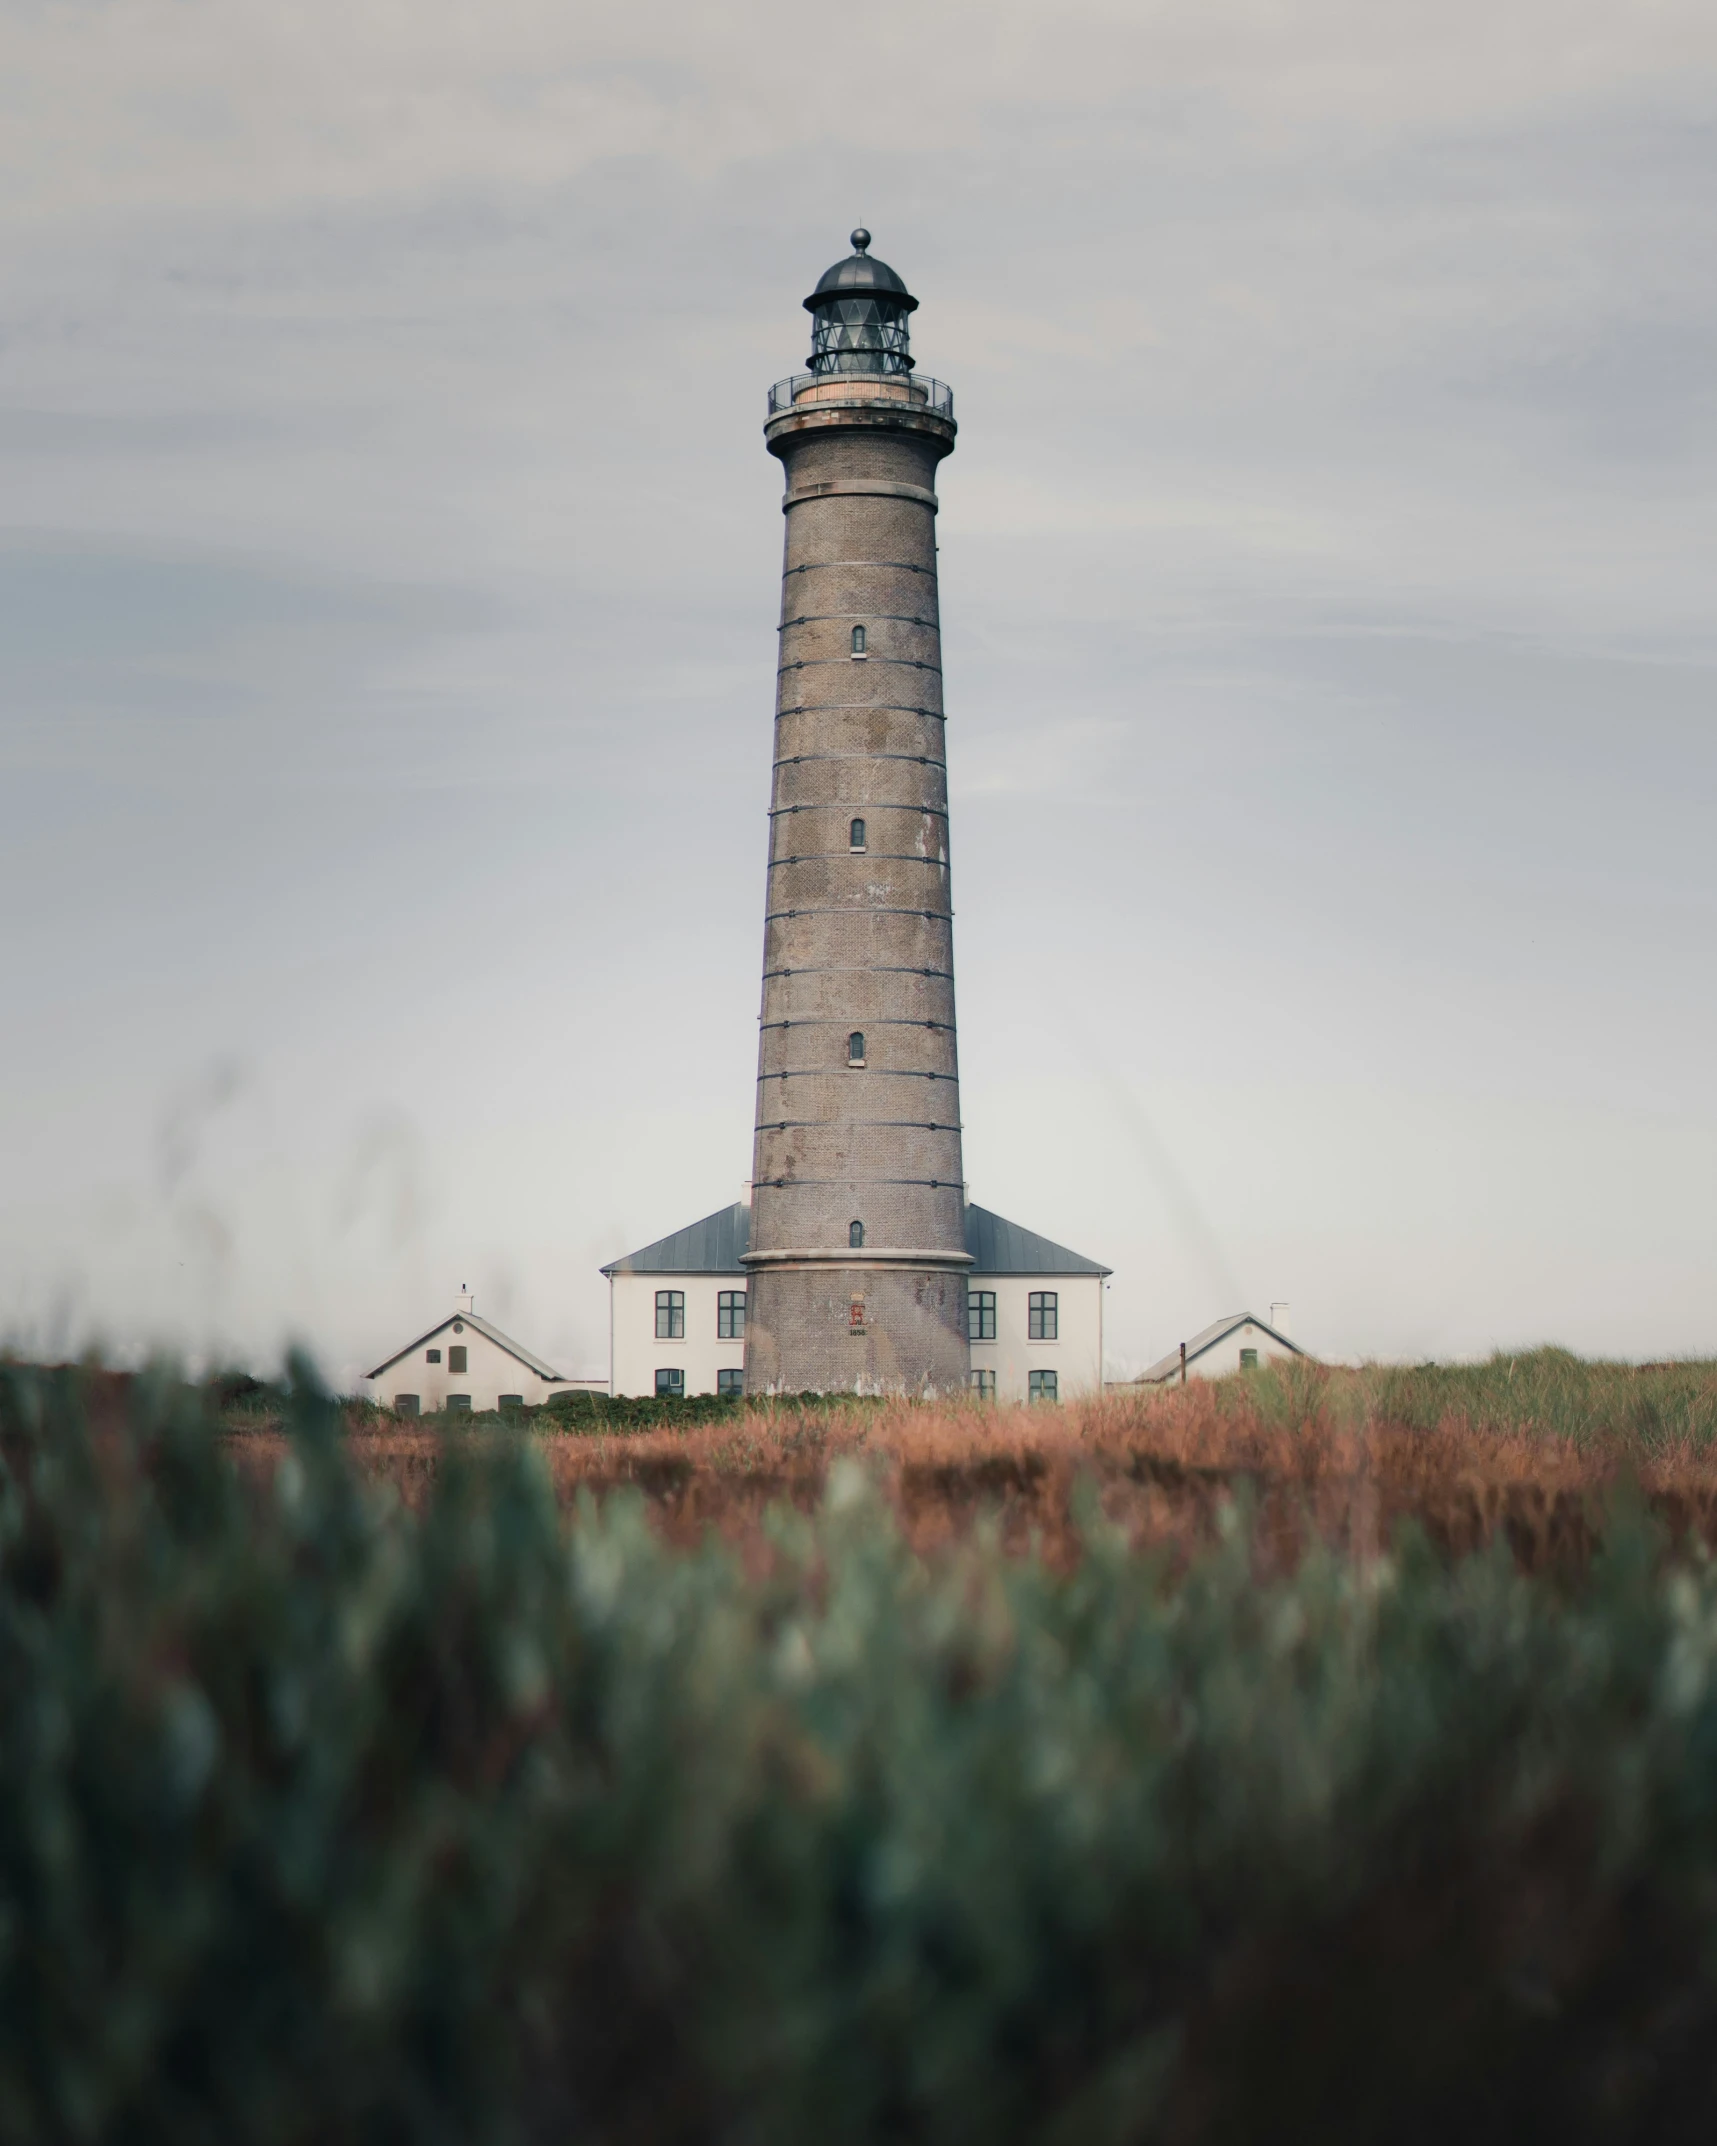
<point>857,1263</point>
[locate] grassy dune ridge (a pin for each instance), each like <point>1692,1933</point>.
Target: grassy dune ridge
<point>1530,1447</point>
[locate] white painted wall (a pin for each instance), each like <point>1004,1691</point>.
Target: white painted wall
<point>637,1354</point>
<point>1076,1356</point>
<point>489,1372</point>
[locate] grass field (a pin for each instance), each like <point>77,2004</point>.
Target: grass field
<point>755,1782</point>
<point>1533,1447</point>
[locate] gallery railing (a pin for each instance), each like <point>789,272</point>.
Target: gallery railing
<point>920,389</point>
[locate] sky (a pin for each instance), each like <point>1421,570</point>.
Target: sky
<point>389,570</point>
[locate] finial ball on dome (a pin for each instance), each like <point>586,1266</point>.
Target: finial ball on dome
<point>861,239</point>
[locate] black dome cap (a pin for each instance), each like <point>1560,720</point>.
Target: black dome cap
<point>859,275</point>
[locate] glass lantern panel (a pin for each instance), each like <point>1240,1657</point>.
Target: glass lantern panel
<point>860,335</point>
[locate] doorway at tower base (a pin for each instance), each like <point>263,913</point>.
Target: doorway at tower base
<point>862,1329</point>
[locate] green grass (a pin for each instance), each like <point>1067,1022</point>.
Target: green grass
<point>1545,1392</point>
<point>324,1822</point>
<point>1548,1392</point>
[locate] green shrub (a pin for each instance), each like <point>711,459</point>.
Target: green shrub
<point>593,1412</point>
<point>321,1822</point>
<point>599,1412</point>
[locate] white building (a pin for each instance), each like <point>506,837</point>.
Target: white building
<point>465,1364</point>
<point>1034,1313</point>
<point>1240,1342</point>
<point>677,1311</point>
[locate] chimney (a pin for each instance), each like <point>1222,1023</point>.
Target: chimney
<point>1279,1320</point>
<point>745,1193</point>
<point>466,1301</point>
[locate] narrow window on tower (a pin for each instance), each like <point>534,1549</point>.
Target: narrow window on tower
<point>858,641</point>
<point>855,1235</point>
<point>855,1048</point>
<point>855,835</point>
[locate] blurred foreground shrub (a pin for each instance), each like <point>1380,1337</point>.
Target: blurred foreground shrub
<point>323,1822</point>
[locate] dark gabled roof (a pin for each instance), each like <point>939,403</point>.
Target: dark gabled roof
<point>998,1246</point>
<point>490,1333</point>
<point>1165,1367</point>
<point>718,1244</point>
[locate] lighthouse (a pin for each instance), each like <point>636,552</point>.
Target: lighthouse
<point>857,1266</point>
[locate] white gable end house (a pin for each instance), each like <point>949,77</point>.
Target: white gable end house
<point>1034,1311</point>
<point>1241,1341</point>
<point>464,1364</point>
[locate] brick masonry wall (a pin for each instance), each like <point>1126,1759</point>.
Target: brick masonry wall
<point>908,1333</point>
<point>858,940</point>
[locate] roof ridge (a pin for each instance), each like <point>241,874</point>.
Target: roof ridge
<point>714,1244</point>
<point>999,1246</point>
<point>717,1243</point>
<point>515,1349</point>
<point>1207,1337</point>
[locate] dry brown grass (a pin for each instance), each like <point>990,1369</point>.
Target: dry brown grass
<point>1342,1457</point>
